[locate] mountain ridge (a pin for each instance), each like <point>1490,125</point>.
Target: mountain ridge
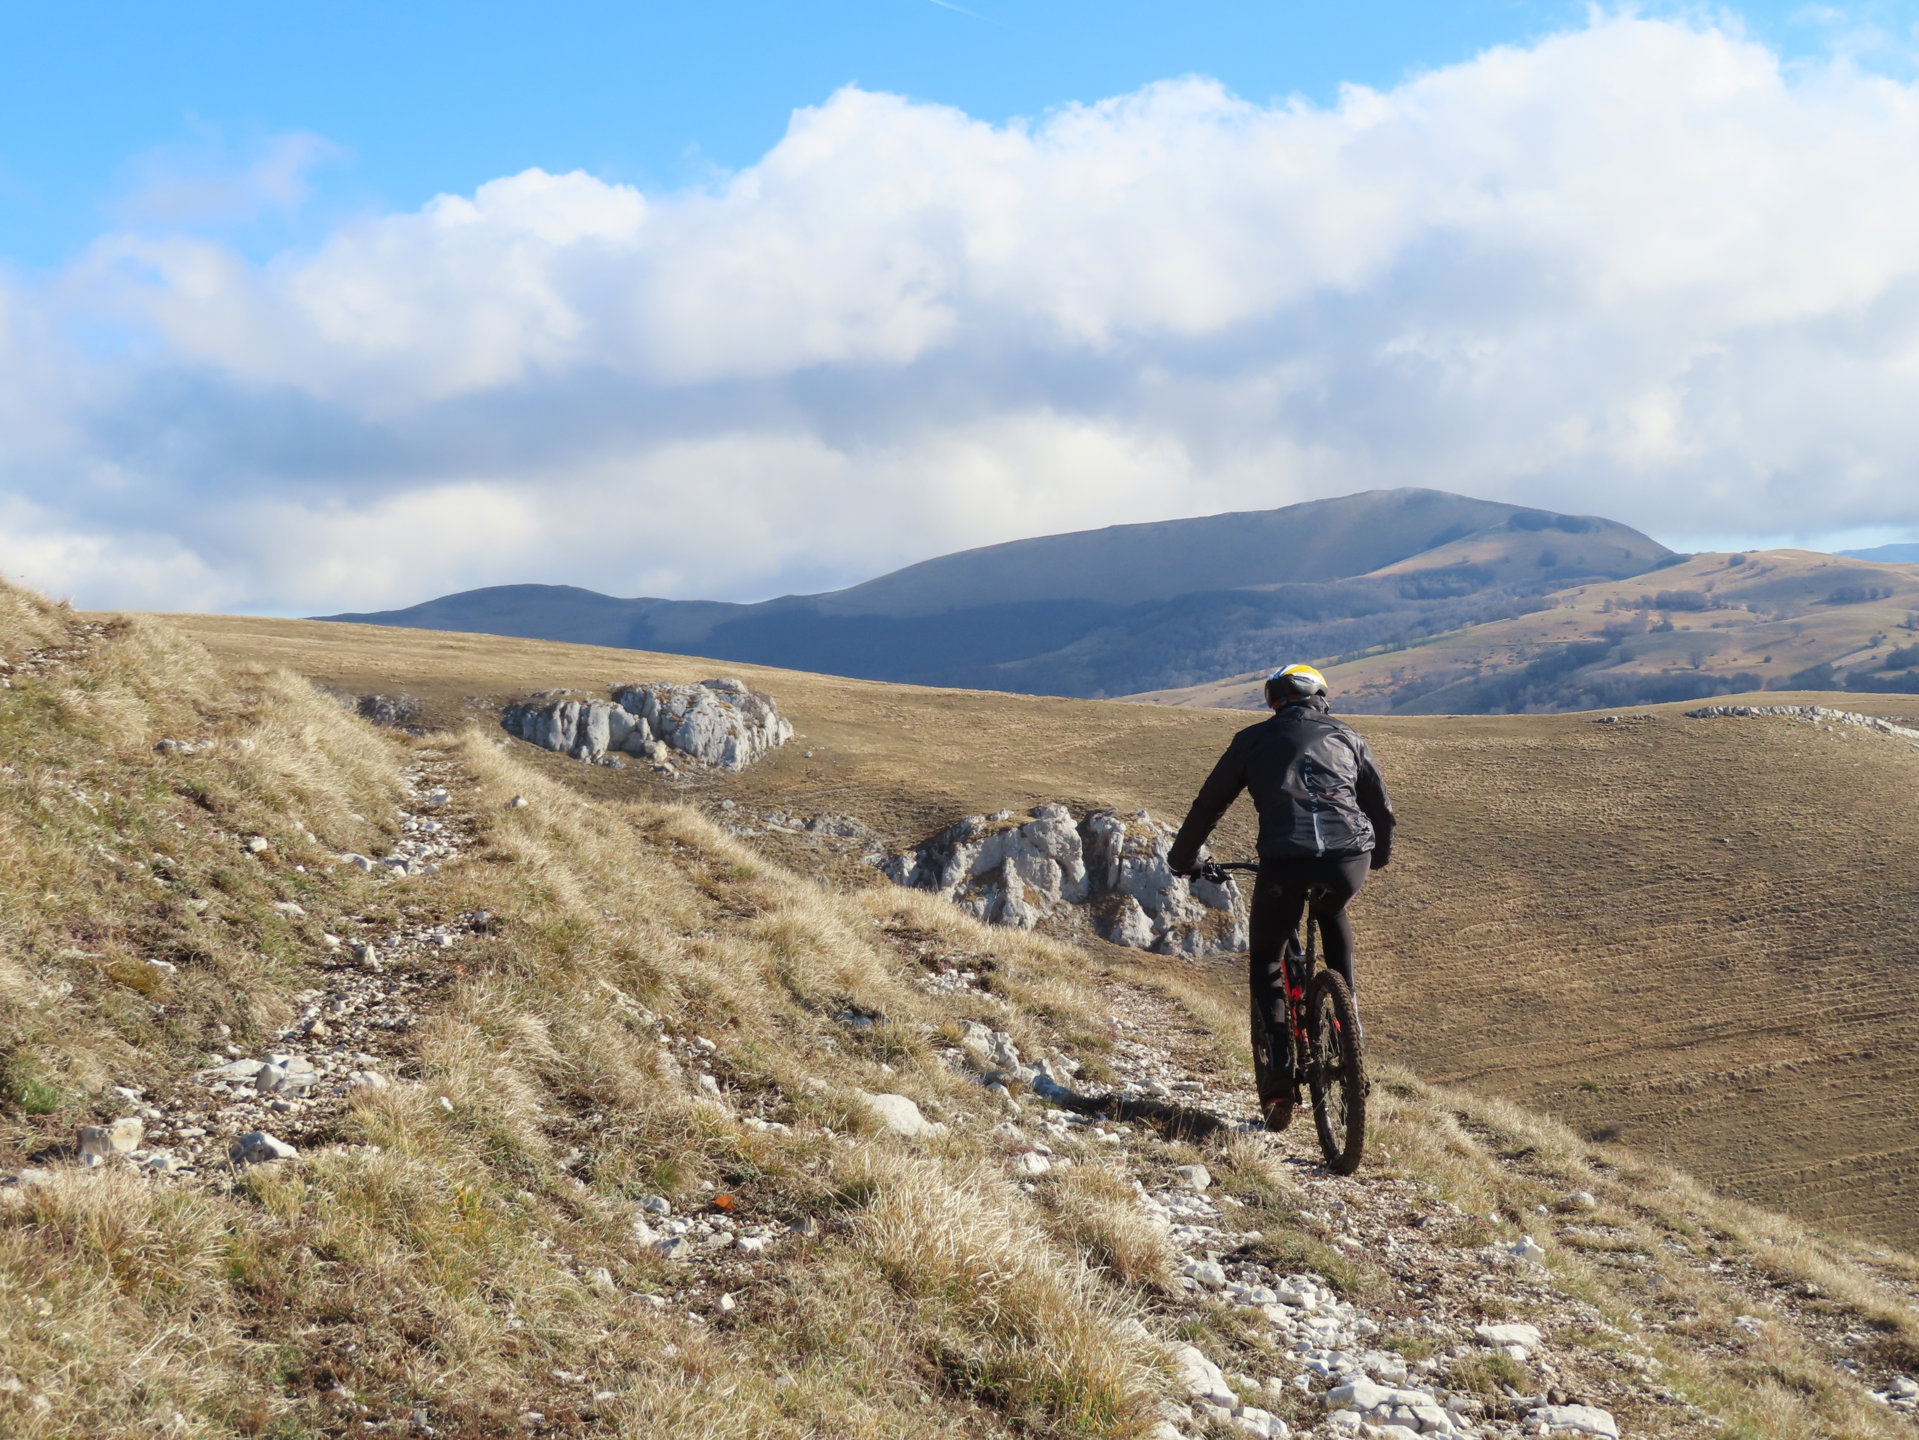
<point>1113,610</point>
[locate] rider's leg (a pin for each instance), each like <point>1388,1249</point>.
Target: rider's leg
<point>1338,881</point>
<point>1275,915</point>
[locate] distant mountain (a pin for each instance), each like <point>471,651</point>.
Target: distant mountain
<point>1127,608</point>
<point>1904,553</point>
<point>1714,624</point>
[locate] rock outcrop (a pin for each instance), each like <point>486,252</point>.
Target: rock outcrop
<point>1813,714</point>
<point>1017,870</point>
<point>719,723</point>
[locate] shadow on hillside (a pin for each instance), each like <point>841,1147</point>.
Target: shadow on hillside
<point>1174,1122</point>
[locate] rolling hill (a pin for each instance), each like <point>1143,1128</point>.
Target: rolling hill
<point>613,1118</point>
<point>1127,608</point>
<point>1714,624</point>
<point>1691,935</point>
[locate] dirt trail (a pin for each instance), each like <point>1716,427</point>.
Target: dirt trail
<point>374,987</point>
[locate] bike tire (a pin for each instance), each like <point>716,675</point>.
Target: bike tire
<point>1336,1071</point>
<point>1275,1097</point>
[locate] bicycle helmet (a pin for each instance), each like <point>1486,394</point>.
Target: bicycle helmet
<point>1294,683</point>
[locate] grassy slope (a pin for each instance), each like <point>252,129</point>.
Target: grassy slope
<point>1779,622</point>
<point>434,1256</point>
<point>1564,925</point>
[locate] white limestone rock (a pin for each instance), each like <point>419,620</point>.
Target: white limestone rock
<point>1502,1337</point>
<point>720,723</point>
<point>259,1147</point>
<point>899,1115</point>
<point>1016,871</point>
<point>1576,1420</point>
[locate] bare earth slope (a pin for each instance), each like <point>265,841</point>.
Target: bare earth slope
<point>1692,935</point>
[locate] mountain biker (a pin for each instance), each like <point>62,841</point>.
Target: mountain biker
<point>1324,821</point>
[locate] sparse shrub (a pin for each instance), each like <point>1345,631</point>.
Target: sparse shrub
<point>1093,1209</point>
<point>30,1091</point>
<point>1489,1375</point>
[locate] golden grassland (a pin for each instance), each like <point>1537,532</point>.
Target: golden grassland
<point>433,1257</point>
<point>1692,936</point>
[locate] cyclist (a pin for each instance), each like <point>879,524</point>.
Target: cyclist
<point>1324,821</point>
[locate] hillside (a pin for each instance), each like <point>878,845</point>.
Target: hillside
<point>1715,624</point>
<point>1107,611</point>
<point>1595,854</point>
<point>583,1149</point>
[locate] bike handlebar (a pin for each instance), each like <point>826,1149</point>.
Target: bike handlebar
<point>1215,870</point>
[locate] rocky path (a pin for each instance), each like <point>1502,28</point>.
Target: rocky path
<point>1447,1301</point>
<point>1414,1318</point>
<point>376,983</point>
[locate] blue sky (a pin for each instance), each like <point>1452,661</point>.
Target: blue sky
<point>878,280</point>
<point>102,105</point>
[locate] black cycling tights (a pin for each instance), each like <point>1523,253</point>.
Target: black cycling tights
<point>1279,900</point>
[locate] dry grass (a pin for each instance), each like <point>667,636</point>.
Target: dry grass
<point>435,1258</point>
<point>1563,924</point>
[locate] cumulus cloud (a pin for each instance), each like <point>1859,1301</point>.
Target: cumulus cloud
<point>1641,269</point>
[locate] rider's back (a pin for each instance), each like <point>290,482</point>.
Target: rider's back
<point>1313,780</point>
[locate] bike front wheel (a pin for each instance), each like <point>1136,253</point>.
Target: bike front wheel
<point>1336,1071</point>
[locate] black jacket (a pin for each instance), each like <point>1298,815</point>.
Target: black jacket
<point>1314,782</point>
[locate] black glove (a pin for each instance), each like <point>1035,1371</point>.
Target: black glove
<point>1382,857</point>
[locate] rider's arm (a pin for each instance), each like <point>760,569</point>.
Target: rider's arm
<point>1221,789</point>
<point>1371,793</point>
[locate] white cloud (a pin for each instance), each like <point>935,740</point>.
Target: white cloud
<point>1641,269</point>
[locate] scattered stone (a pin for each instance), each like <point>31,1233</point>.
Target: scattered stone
<point>1527,1248</point>
<point>1575,1420</point>
<point>1209,1273</point>
<point>397,712</point>
<point>122,1137</point>
<point>1524,1338</point>
<point>292,909</point>
<point>899,1115</point>
<point>258,1147</point>
<point>1201,1378</point>
<point>1193,1177</point>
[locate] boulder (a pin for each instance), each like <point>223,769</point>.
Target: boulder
<point>720,722</point>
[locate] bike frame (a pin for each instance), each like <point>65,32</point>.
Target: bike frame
<point>1297,976</point>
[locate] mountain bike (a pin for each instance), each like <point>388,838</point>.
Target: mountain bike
<point>1324,1035</point>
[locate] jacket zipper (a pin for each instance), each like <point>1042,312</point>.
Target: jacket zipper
<point>1312,799</point>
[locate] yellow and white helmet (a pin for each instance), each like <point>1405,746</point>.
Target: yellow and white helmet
<point>1294,683</point>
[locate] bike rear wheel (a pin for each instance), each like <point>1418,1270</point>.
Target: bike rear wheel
<point>1336,1071</point>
